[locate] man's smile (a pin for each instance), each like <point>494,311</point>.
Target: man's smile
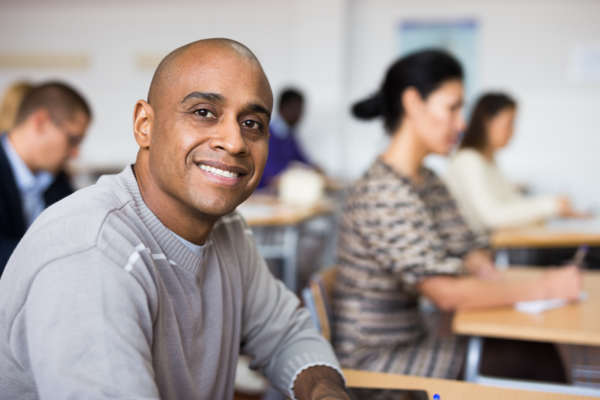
<point>219,172</point>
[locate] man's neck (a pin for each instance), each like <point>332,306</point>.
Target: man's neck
<point>188,224</point>
<point>22,145</point>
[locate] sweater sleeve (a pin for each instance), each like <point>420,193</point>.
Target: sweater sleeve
<point>89,330</point>
<point>469,169</point>
<point>403,242</point>
<point>276,331</point>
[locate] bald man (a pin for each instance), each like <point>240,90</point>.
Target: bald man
<point>148,285</point>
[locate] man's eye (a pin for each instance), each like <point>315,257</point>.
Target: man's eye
<point>204,113</point>
<point>251,124</point>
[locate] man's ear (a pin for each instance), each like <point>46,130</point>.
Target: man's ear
<point>412,102</point>
<point>40,118</point>
<point>143,122</point>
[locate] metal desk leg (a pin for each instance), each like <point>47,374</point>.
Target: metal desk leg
<point>290,257</point>
<point>474,351</point>
<point>330,242</point>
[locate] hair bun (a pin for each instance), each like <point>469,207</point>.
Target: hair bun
<point>369,108</point>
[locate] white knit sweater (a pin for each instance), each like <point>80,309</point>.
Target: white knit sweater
<point>488,200</point>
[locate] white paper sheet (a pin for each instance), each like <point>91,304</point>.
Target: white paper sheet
<point>538,306</point>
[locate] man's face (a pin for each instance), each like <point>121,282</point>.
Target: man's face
<point>61,141</point>
<point>292,111</point>
<point>210,134</point>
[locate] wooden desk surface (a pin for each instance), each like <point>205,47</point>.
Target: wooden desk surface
<point>267,210</point>
<point>542,236</point>
<point>578,323</point>
<point>447,389</point>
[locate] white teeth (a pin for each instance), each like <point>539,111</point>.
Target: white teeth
<point>219,172</point>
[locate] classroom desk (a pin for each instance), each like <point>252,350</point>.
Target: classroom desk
<point>447,389</point>
<point>267,210</point>
<point>554,233</point>
<point>578,323</point>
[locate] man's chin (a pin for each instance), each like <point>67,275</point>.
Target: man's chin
<point>217,212</point>
<point>222,204</point>
<point>217,209</point>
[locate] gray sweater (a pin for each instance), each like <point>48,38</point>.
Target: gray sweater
<point>100,300</point>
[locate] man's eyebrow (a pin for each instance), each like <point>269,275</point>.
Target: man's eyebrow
<point>258,108</point>
<point>214,97</point>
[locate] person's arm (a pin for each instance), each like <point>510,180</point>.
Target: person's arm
<point>279,335</point>
<point>479,262</point>
<point>89,331</point>
<point>401,237</point>
<point>450,293</point>
<point>494,212</point>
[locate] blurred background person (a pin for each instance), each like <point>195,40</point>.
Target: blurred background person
<point>50,125</point>
<point>402,238</point>
<point>284,147</point>
<point>13,97</point>
<point>486,198</point>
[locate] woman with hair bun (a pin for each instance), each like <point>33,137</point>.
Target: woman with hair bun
<point>487,200</point>
<point>402,237</point>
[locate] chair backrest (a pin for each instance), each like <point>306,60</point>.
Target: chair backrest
<point>318,298</point>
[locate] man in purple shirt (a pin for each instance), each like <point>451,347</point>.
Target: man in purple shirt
<point>283,144</point>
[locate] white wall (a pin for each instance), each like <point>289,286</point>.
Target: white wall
<point>524,48</point>
<point>337,51</point>
<point>299,42</point>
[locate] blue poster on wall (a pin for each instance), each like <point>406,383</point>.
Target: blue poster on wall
<point>457,36</point>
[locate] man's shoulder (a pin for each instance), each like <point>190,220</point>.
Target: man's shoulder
<point>88,206</point>
<point>75,223</point>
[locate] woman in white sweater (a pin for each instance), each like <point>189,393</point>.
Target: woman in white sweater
<point>487,200</point>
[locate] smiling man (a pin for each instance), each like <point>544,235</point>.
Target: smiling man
<point>148,285</point>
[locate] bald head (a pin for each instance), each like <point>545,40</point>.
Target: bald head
<point>203,135</point>
<point>171,64</point>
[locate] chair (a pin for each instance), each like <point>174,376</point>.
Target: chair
<point>318,297</point>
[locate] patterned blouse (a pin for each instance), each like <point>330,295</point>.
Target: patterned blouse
<point>393,235</point>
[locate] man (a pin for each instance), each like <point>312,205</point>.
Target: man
<point>147,285</point>
<point>284,146</point>
<point>50,125</point>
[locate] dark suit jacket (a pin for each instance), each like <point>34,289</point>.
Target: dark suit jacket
<point>12,219</point>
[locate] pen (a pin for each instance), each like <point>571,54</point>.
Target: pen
<point>580,255</point>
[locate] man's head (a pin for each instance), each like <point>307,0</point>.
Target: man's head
<point>203,134</point>
<point>54,118</point>
<point>291,106</point>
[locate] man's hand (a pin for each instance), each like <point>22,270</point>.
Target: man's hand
<point>480,264</point>
<point>320,383</point>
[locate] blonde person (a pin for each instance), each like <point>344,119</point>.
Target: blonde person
<point>11,102</point>
<point>486,198</point>
<point>402,237</point>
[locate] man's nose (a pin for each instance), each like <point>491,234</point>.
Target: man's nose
<point>230,138</point>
